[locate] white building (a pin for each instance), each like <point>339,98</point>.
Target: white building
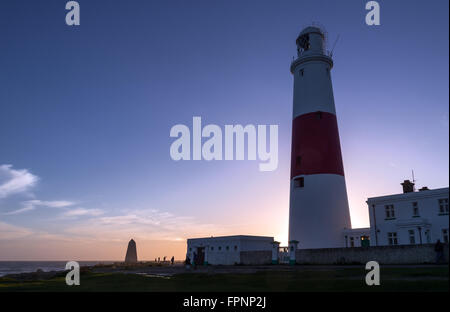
<point>359,237</point>
<point>225,249</point>
<point>414,217</point>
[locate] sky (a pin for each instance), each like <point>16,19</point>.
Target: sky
<point>86,112</point>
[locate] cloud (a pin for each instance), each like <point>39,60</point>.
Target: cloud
<point>145,224</point>
<point>83,212</point>
<point>18,211</point>
<point>130,220</point>
<point>8,231</point>
<point>32,204</point>
<point>51,204</point>
<point>95,225</point>
<point>13,232</point>
<point>14,181</point>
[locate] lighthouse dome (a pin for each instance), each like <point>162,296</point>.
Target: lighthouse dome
<point>311,29</point>
<point>311,40</point>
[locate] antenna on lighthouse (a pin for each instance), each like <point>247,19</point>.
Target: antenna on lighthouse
<point>334,45</point>
<point>413,179</point>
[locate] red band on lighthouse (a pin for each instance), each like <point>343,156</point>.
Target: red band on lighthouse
<point>315,145</point>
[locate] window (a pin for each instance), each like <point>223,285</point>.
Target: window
<point>220,248</point>
<point>235,247</point>
<point>227,248</point>
<point>390,214</point>
<point>412,237</point>
<point>302,72</point>
<point>427,236</point>
<point>352,241</point>
<point>443,206</point>
<point>415,209</point>
<point>212,248</point>
<point>299,182</point>
<point>392,238</point>
<point>190,249</point>
<point>445,235</point>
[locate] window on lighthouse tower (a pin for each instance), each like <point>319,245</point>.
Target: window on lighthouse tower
<point>304,42</point>
<point>299,182</point>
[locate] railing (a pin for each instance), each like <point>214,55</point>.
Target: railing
<point>301,53</point>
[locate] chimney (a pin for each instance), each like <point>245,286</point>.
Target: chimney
<point>408,186</point>
<point>425,188</point>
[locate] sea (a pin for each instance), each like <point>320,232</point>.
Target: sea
<point>13,267</point>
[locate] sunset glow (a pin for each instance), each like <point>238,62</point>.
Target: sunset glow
<point>86,116</point>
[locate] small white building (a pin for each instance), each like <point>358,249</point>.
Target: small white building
<point>359,237</point>
<point>225,249</point>
<point>413,217</point>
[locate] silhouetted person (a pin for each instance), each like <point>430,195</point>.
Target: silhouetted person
<point>439,249</point>
<point>164,259</point>
<point>172,260</point>
<point>159,259</point>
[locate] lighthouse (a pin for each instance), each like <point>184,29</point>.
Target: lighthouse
<point>318,211</point>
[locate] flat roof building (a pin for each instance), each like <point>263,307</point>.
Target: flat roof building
<point>225,249</point>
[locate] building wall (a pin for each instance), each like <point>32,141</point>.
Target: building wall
<point>426,227</point>
<point>403,254</point>
<point>256,257</point>
<point>227,250</point>
<point>250,244</point>
<point>218,250</point>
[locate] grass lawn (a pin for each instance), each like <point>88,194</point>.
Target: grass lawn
<point>347,279</point>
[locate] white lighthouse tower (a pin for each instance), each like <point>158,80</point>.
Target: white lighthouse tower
<point>318,211</point>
